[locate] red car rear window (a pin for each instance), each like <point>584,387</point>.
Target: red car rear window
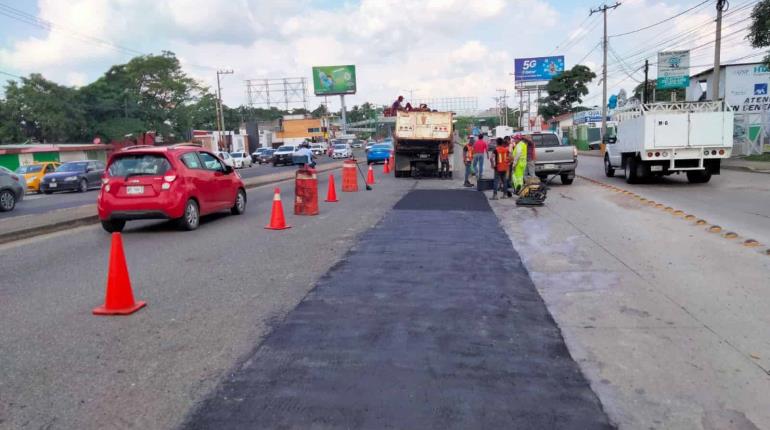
<point>139,164</point>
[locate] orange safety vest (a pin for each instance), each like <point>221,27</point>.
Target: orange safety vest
<point>444,150</point>
<point>468,153</point>
<point>503,159</point>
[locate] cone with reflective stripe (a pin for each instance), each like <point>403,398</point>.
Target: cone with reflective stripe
<point>370,176</point>
<point>119,298</point>
<point>277,221</point>
<point>386,167</point>
<point>392,162</point>
<point>331,195</point>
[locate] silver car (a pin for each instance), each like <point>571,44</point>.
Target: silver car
<point>12,187</point>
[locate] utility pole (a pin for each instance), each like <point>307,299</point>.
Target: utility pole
<point>603,10</point>
<point>220,111</point>
<point>717,47</point>
<point>645,94</point>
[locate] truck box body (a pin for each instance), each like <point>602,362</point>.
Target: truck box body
<point>417,139</point>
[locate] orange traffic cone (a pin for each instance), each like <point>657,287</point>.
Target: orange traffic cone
<point>277,221</point>
<point>370,176</point>
<point>331,195</point>
<point>392,162</point>
<point>120,299</point>
<point>386,167</point>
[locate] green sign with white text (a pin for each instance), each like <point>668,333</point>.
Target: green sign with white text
<point>332,80</point>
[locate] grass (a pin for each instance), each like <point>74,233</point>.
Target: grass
<point>760,157</point>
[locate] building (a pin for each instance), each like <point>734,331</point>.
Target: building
<point>745,88</point>
<point>298,128</point>
<point>13,156</point>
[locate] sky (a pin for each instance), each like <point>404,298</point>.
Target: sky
<point>424,48</point>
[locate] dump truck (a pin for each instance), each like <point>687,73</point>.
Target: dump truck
<point>417,137</point>
<point>660,139</point>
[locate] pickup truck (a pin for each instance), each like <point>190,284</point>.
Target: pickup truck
<point>551,157</point>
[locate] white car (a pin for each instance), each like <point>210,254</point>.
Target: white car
<point>342,150</point>
<point>241,159</point>
<point>225,156</point>
<point>317,149</point>
<point>284,155</point>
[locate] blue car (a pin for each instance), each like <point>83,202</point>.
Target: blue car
<point>378,153</point>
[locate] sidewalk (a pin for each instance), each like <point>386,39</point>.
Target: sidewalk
<point>402,334</point>
<point>22,227</point>
<point>728,163</point>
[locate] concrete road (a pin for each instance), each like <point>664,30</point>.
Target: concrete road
<point>212,295</point>
<point>41,203</point>
<point>668,321</point>
<point>738,201</point>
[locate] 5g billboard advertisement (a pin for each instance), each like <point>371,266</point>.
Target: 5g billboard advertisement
<point>538,68</point>
<point>332,80</point>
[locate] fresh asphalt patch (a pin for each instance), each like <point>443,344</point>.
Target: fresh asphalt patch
<point>431,321</point>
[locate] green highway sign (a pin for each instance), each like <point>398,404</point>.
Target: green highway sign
<point>332,80</point>
<point>672,82</point>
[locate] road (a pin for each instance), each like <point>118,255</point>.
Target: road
<point>41,203</point>
<point>415,305</point>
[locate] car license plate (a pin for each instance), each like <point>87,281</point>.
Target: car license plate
<point>549,166</point>
<point>53,185</point>
<point>424,155</point>
<point>135,190</point>
<point>656,168</point>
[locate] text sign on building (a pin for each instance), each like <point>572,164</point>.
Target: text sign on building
<point>746,87</point>
<point>673,70</point>
<point>332,80</point>
<point>538,68</point>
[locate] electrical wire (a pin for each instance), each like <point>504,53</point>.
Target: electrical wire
<point>661,22</point>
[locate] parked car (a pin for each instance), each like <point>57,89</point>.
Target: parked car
<point>226,157</point>
<point>180,182</point>
<point>316,149</point>
<point>284,155</point>
<point>342,150</point>
<point>357,144</point>
<point>553,157</point>
<point>369,144</point>
<point>240,160</point>
<point>378,153</point>
<point>255,154</point>
<point>266,156</point>
<point>33,173</point>
<point>12,188</point>
<point>77,176</point>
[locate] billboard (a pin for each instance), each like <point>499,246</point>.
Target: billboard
<point>673,70</point>
<point>538,68</point>
<point>331,80</point>
<point>746,87</point>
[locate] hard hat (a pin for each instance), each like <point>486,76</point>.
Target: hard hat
<point>517,136</point>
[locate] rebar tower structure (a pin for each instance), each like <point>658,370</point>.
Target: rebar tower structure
<point>459,105</point>
<point>277,92</point>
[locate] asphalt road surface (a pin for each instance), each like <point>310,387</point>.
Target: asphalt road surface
<point>41,203</point>
<point>402,334</point>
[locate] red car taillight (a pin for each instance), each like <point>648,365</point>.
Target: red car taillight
<point>168,178</point>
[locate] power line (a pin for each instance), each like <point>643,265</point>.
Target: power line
<point>661,22</point>
<point>10,74</point>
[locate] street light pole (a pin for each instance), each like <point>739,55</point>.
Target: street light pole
<point>220,111</point>
<point>717,49</point>
<point>603,10</point>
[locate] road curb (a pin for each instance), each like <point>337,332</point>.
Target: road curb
<point>745,169</point>
<point>79,221</point>
<point>590,153</point>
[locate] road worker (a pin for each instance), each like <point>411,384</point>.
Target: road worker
<point>443,158</point>
<point>501,163</point>
<point>468,160</point>
<point>519,164</point>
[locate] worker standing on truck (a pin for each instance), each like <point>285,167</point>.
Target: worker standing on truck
<point>502,163</point>
<point>479,150</point>
<point>443,158</point>
<point>396,106</point>
<point>519,164</point>
<point>468,160</point>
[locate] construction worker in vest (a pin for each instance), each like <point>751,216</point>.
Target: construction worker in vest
<point>468,160</point>
<point>519,164</point>
<point>502,161</point>
<point>443,158</point>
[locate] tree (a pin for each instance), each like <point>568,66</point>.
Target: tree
<point>320,111</point>
<point>660,94</point>
<point>566,90</point>
<point>759,31</point>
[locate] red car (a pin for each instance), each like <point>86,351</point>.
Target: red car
<point>180,182</point>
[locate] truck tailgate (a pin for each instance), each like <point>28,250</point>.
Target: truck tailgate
<point>555,155</point>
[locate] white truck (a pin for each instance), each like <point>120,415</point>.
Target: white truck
<point>417,139</point>
<point>660,139</point>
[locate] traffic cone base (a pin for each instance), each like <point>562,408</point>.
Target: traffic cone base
<point>119,299</point>
<point>277,220</point>
<point>331,195</point>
